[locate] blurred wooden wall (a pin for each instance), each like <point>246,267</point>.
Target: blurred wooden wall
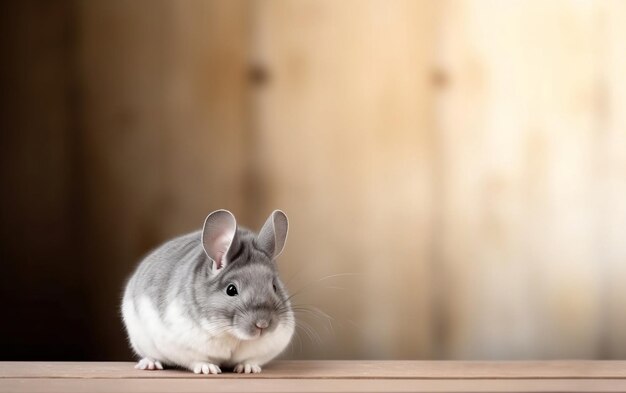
<point>454,171</point>
<point>347,148</point>
<point>164,116</point>
<point>466,158</point>
<point>41,289</point>
<point>533,146</point>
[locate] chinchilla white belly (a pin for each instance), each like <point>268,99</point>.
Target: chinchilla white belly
<point>173,337</point>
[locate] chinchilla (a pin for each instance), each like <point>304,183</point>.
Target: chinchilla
<point>211,299</point>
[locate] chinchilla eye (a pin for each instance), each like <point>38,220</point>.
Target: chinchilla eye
<point>231,290</point>
<point>274,286</point>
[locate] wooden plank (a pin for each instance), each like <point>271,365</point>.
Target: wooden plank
<point>212,384</point>
<point>344,148</point>
<point>336,370</point>
<point>520,126</point>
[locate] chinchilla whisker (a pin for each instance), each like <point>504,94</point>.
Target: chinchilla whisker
<point>300,342</point>
<point>339,275</point>
<point>318,314</point>
<point>293,347</point>
<point>294,275</point>
<point>313,312</point>
<point>287,299</point>
<point>316,311</point>
<point>335,276</point>
<point>339,288</point>
<point>310,286</point>
<point>308,307</point>
<point>312,309</point>
<point>327,325</point>
<point>308,334</point>
<point>298,325</point>
<point>354,324</point>
<point>292,344</point>
<point>316,336</point>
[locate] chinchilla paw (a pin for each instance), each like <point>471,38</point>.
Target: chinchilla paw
<point>205,368</point>
<point>149,364</point>
<point>247,368</point>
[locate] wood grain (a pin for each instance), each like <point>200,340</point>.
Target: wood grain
<point>338,369</point>
<point>313,376</point>
<point>210,384</point>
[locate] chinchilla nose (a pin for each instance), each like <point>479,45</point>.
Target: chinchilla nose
<point>262,323</point>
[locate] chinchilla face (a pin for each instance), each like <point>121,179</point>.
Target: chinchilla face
<point>251,296</point>
<point>243,294</point>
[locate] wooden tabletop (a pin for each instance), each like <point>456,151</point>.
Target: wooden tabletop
<point>323,376</point>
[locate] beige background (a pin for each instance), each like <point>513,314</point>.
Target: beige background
<point>454,172</point>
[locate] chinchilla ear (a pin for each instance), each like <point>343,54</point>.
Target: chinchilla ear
<point>218,234</point>
<point>273,235</point>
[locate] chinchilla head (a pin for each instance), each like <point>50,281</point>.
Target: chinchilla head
<point>242,293</point>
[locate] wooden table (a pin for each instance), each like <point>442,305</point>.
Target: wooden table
<point>324,376</point>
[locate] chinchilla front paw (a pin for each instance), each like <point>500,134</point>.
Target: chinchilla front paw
<point>205,368</point>
<point>149,364</point>
<point>247,368</point>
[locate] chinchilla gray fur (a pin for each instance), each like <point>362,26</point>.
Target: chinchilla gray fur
<point>211,299</point>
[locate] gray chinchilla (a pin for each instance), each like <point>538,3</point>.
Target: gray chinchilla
<point>211,298</point>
